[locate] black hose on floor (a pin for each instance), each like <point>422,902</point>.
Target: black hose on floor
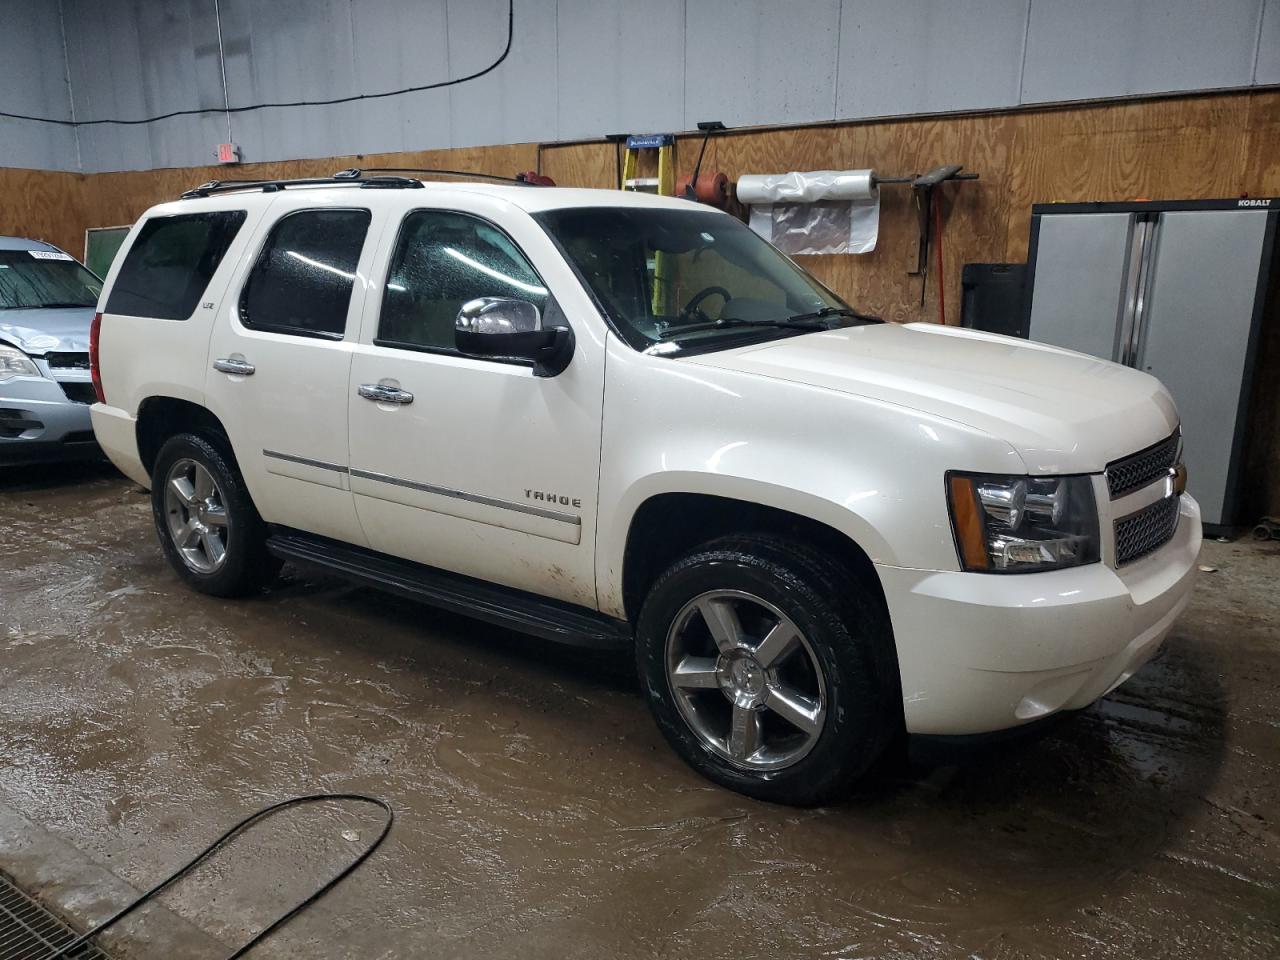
<point>212,848</point>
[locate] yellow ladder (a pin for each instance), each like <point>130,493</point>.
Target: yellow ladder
<point>665,144</point>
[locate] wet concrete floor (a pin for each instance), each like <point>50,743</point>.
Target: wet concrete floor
<point>541,815</point>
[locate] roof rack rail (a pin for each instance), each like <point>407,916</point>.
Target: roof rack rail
<point>355,176</point>
<point>357,172</point>
<point>272,186</point>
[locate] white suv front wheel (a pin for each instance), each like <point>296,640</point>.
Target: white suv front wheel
<point>770,668</point>
<point>746,680</point>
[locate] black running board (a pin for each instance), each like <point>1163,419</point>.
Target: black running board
<point>503,606</point>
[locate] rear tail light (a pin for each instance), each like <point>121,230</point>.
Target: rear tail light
<point>95,358</point>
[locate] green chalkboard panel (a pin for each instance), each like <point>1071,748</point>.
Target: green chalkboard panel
<point>100,246</point>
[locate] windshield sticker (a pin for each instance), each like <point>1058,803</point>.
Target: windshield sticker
<point>50,255</point>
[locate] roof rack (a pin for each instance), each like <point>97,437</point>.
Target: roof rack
<point>520,179</point>
<point>353,177</point>
<point>273,186</point>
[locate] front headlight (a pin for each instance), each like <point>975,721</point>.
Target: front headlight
<point>15,363</point>
<point>1022,524</point>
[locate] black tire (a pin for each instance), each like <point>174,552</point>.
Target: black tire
<point>247,567</point>
<point>848,634</point>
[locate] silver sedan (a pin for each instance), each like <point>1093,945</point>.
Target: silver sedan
<point>47,301</point>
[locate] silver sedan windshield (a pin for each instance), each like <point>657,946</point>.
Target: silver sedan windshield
<point>40,278</point>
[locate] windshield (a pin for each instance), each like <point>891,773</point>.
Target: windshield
<point>45,278</point>
<point>679,281</point>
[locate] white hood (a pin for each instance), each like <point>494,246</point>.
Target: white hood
<point>1063,412</point>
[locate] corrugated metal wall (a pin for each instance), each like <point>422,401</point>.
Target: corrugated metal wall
<point>33,81</point>
<point>580,68</point>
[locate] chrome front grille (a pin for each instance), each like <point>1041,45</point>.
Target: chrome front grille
<point>1147,530</point>
<point>1146,466</point>
<point>1146,495</point>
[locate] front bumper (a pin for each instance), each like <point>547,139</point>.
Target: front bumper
<point>983,652</point>
<point>40,423</point>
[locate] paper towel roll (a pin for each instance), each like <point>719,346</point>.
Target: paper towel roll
<point>807,187</point>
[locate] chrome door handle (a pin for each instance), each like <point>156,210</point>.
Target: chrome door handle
<point>381,393</point>
<point>241,368</point>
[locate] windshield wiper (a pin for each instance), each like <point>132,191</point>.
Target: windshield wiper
<point>837,312</point>
<point>800,322</point>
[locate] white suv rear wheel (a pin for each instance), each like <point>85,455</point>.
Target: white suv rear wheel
<point>208,526</point>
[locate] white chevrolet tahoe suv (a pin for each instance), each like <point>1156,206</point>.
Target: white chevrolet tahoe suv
<point>626,421</point>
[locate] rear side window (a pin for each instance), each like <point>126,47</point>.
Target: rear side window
<point>302,281</point>
<point>167,269</point>
<point>442,260</point>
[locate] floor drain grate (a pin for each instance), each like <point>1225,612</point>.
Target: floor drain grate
<point>30,932</point>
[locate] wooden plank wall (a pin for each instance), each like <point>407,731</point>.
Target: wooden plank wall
<point>1216,145</point>
<point>59,207</point>
<point>46,205</point>
<point>1177,148</point>
<point>1210,145</point>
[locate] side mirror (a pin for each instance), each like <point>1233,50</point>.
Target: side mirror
<point>500,328</point>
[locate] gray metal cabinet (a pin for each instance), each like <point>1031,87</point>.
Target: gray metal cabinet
<point>1175,289</point>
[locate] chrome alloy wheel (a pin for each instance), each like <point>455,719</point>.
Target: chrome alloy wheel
<point>746,680</point>
<point>196,516</point>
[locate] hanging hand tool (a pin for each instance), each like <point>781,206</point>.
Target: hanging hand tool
<point>929,211</point>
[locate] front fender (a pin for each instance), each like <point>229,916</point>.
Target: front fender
<point>753,490</point>
<point>872,470</point>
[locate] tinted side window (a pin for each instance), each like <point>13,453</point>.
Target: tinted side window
<point>169,265</point>
<point>302,281</point>
<point>441,261</point>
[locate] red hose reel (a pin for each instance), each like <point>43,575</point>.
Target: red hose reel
<point>712,188</point>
